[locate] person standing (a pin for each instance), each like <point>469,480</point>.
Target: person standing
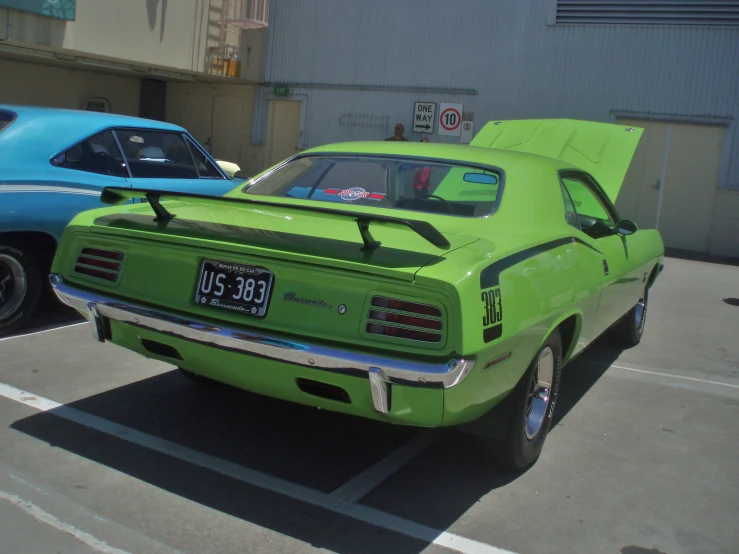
<point>398,135</point>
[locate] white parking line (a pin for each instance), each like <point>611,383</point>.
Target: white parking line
<point>679,377</point>
<point>665,375</point>
<point>255,478</point>
<point>354,489</point>
<point>44,331</point>
<point>45,517</point>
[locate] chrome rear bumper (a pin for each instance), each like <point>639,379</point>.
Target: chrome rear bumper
<point>381,371</point>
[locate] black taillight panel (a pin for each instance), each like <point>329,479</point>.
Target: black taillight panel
<point>100,264</point>
<point>406,320</point>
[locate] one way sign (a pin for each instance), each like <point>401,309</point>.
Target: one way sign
<point>423,117</point>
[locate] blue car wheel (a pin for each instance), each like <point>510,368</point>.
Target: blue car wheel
<point>21,285</point>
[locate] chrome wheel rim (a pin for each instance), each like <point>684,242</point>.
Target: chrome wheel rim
<point>13,285</point>
<point>540,393</point>
<point>640,312</point>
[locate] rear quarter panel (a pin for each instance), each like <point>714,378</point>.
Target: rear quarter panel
<point>511,301</point>
<point>37,197</point>
<point>27,207</point>
<point>510,305</point>
<point>515,285</point>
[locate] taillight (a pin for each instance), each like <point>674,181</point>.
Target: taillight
<point>405,306</point>
<point>405,320</point>
<point>410,320</point>
<point>102,264</point>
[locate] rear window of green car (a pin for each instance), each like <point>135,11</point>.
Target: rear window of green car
<point>410,184</point>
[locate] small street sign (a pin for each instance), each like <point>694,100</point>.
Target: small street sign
<point>450,119</point>
<point>468,129</point>
<point>423,117</point>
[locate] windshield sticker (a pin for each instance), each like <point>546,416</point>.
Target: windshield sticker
<point>354,193</point>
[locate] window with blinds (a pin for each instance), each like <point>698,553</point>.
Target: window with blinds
<point>719,13</point>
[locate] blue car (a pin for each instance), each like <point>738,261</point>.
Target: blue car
<point>54,164</point>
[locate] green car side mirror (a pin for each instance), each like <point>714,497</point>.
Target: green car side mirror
<point>626,227</point>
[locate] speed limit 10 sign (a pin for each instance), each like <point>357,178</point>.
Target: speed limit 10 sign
<point>450,119</point>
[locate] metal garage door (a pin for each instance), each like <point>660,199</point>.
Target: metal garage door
<point>672,181</point>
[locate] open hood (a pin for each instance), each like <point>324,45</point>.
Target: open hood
<point>602,149</point>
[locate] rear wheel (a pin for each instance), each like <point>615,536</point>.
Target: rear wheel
<point>21,285</point>
<point>631,327</point>
<point>532,407</point>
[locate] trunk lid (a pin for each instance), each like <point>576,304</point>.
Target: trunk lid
<point>604,150</point>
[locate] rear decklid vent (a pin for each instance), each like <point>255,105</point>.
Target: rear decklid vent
<point>405,320</point>
<point>101,264</point>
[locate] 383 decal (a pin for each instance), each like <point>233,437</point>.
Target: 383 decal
<point>492,326</point>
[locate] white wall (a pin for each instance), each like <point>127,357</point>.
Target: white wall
<point>41,85</point>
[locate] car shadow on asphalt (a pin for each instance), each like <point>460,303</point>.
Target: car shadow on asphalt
<point>50,314</point>
<point>312,448</point>
<point>579,376</point>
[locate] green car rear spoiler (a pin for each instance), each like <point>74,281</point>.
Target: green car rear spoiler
<point>120,195</point>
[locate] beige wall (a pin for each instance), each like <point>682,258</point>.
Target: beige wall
<point>169,33</point>
<point>724,237</point>
<point>41,85</point>
<point>219,116</point>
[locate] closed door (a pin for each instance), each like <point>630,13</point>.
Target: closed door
<point>228,128</point>
<point>197,118</point>
<point>283,132</point>
<point>691,183</point>
<point>671,184</point>
<point>639,194</point>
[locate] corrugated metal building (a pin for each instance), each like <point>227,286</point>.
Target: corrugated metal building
<point>355,68</point>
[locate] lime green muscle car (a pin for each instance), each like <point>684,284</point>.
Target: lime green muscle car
<point>417,284</point>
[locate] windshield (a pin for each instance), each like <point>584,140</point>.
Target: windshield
<point>6,118</point>
<point>388,182</point>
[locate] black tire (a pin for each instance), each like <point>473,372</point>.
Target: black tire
<point>21,285</point>
<point>525,436</point>
<point>630,329</point>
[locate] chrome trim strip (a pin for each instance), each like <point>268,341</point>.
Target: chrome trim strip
<point>386,370</point>
<point>23,189</point>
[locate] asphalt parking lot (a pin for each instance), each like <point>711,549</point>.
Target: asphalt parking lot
<point>104,451</point>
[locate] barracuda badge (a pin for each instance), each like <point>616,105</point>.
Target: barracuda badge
<point>290,296</point>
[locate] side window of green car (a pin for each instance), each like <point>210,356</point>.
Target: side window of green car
<point>584,205</point>
<point>570,212</point>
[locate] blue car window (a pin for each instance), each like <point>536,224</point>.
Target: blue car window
<point>205,167</point>
<point>97,154</point>
<point>6,118</point>
<point>156,154</point>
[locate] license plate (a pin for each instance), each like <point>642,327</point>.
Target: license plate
<point>235,287</point>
